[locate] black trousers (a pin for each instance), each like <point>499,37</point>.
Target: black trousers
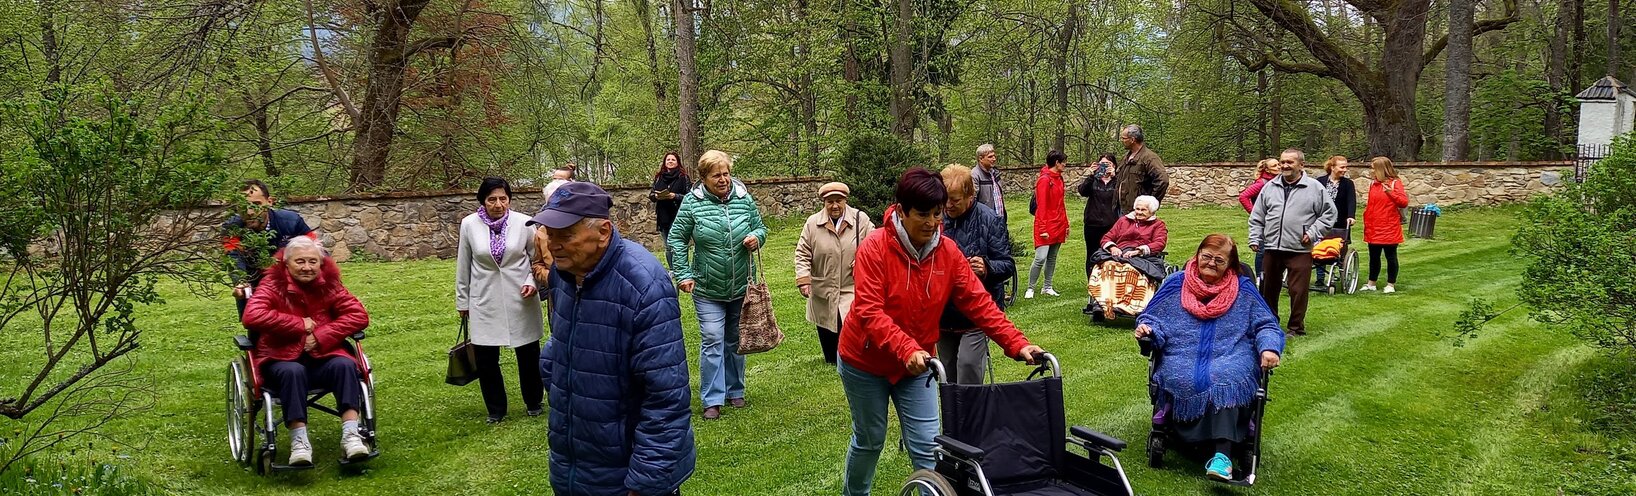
<point>290,381</point>
<point>494,386</point>
<point>829,340</point>
<point>1391,262</point>
<point>1093,242</point>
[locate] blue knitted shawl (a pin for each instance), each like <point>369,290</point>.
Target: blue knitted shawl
<point>1209,365</point>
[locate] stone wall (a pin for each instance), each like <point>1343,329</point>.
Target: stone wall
<point>401,226</point>
<point>1453,183</point>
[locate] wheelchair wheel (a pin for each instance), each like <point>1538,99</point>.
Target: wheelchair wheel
<point>1156,449</point>
<point>1351,282</point>
<point>241,433</point>
<point>926,482</point>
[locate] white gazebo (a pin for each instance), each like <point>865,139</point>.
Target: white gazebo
<point>1606,109</point>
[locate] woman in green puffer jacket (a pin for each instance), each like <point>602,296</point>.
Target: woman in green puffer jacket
<point>724,225</point>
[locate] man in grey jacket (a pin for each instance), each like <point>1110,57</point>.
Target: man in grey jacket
<point>987,178</point>
<point>1290,215</point>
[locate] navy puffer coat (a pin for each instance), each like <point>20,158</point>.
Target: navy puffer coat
<point>616,371</point>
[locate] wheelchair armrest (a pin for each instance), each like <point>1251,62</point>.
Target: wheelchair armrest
<point>244,342</point>
<point>1097,438</point>
<point>960,449</point>
<point>358,336</point>
<point>1145,345</point>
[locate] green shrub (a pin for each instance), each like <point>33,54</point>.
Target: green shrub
<point>1581,245</point>
<point>71,475</point>
<point>870,165</point>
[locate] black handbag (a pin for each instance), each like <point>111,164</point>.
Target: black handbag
<point>462,358</point>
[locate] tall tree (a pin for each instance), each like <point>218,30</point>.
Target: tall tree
<point>1614,22</point>
<point>902,70</point>
<point>389,54</point>
<point>687,82</point>
<point>1386,90</point>
<point>1457,83</point>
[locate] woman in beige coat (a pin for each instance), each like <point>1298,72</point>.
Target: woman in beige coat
<point>823,262</point>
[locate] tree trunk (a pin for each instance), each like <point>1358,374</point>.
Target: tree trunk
<point>902,106</point>
<point>1276,136</point>
<point>807,93</point>
<point>264,132</point>
<point>1556,73</point>
<point>388,57</point>
<point>1457,89</point>
<point>851,71</point>
<point>644,12</point>
<point>688,84</point>
<point>1059,66</point>
<point>1613,37</point>
<point>48,44</point>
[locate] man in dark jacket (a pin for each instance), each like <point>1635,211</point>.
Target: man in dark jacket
<point>615,366</point>
<point>278,226</point>
<point>1142,172</point>
<point>983,239</point>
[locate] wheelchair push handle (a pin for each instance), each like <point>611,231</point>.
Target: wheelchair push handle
<point>1145,344</point>
<point>935,366</point>
<point>1047,363</point>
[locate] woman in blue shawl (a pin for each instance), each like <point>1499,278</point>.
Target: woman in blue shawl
<point>1212,331</point>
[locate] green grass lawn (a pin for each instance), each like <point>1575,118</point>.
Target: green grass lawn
<point>1373,401</point>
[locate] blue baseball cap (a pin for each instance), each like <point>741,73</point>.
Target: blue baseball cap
<point>571,202</point>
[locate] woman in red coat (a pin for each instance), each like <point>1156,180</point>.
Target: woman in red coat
<point>299,317</point>
<point>906,272</point>
<point>1382,224</point>
<point>1050,222</point>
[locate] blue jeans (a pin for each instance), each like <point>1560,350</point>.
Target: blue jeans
<point>867,394</point>
<point>721,368</point>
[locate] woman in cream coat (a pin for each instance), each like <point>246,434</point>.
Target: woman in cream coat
<point>495,289</point>
<point>823,262</point>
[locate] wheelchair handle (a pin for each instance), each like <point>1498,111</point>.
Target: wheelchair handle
<point>1047,361</point>
<point>1145,344</point>
<point>935,366</point>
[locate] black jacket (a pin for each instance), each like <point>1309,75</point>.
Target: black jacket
<point>1346,200</point>
<point>1101,202</point>
<point>980,233</point>
<point>674,181</point>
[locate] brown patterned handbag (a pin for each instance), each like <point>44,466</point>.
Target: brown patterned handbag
<point>758,329</point>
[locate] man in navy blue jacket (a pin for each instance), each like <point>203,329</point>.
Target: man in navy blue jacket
<point>261,218</point>
<point>615,366</point>
<point>983,239</point>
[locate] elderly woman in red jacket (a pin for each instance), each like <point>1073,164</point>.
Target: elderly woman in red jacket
<point>906,273</point>
<point>299,318</point>
<point>1138,239</point>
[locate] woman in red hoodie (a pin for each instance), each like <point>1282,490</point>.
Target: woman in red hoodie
<point>1050,222</point>
<point>906,272</point>
<point>300,316</point>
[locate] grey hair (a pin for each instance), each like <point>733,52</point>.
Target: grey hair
<point>1135,133</point>
<point>306,243</point>
<point>984,149</point>
<point>1153,203</point>
<point>1299,155</point>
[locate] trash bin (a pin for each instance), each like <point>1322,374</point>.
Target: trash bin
<point>1422,221</point>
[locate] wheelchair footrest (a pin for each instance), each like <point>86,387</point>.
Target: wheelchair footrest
<point>292,468</point>
<point>372,454</point>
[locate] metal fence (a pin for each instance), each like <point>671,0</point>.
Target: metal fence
<point>1587,156</point>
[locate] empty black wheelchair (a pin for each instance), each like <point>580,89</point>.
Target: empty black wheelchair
<point>1007,440</point>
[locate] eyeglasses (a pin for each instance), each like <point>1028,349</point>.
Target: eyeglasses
<point>1212,260</point>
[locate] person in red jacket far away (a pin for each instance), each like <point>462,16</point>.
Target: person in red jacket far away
<point>1382,224</point>
<point>300,318</point>
<point>906,273</point>
<point>1050,222</point>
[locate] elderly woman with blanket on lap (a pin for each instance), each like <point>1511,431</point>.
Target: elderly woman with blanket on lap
<point>1214,335</point>
<point>1130,263</point>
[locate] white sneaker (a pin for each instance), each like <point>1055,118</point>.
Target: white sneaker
<point>1389,289</point>
<point>352,443</point>
<point>300,452</point>
<point>1368,287</point>
<point>1051,292</point>
<point>1029,295</point>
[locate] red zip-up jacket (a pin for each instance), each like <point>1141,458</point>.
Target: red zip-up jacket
<point>275,311</point>
<point>1247,197</point>
<point>900,300</point>
<point>1050,213</point>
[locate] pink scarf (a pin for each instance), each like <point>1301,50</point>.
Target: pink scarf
<point>1207,301</point>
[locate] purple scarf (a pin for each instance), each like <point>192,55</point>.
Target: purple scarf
<point>497,233</point>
